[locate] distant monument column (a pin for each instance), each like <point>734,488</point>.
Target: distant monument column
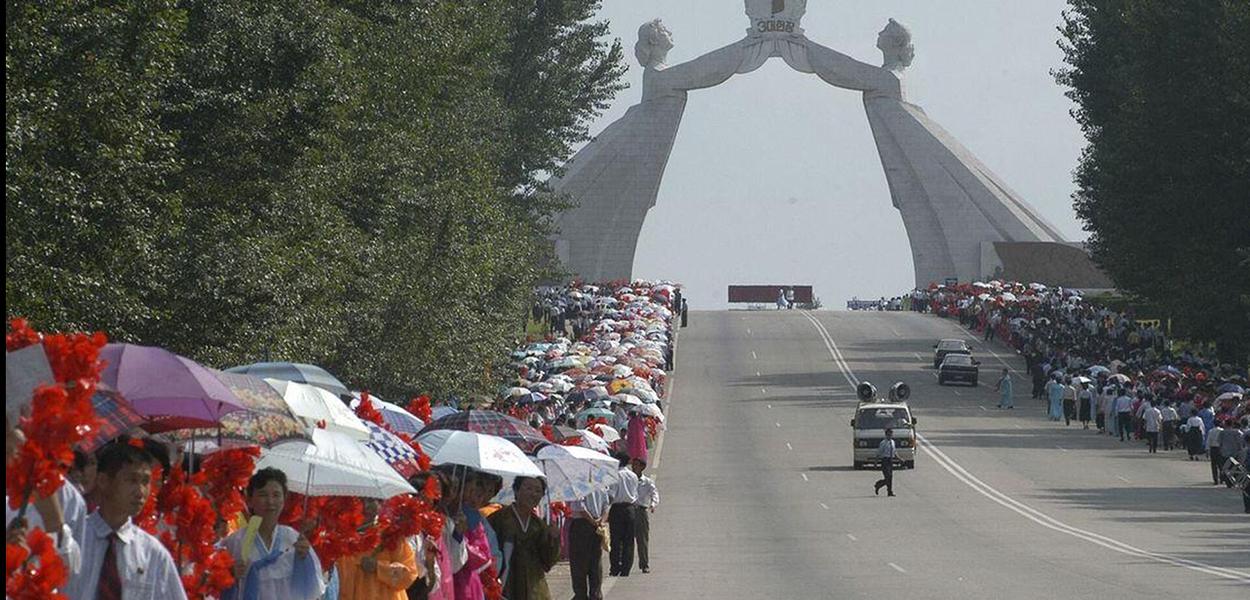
<point>951,204</point>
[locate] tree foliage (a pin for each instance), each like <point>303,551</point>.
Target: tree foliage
<point>350,183</point>
<point>1162,92</point>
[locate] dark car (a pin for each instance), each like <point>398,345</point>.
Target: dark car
<point>958,367</point>
<point>944,347</point>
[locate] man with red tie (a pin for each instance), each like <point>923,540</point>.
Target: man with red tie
<point>120,560</point>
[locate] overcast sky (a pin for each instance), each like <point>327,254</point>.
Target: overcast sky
<point>774,177</point>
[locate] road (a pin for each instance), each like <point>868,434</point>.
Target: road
<point>759,499</point>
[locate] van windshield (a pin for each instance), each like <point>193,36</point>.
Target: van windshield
<point>883,418</point>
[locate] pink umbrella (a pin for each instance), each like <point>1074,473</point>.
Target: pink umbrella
<point>173,392</point>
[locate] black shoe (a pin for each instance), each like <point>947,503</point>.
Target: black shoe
<point>646,570</point>
<point>876,489</point>
<point>891,494</point>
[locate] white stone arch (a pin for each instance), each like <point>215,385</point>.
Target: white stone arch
<point>953,207</point>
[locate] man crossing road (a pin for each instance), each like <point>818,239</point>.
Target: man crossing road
<point>885,452</point>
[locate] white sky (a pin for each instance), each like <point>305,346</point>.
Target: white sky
<point>774,177</point>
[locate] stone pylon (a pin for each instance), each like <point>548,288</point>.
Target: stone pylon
<point>950,202</point>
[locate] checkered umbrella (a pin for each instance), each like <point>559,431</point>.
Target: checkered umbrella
<point>399,455</point>
<point>492,423</point>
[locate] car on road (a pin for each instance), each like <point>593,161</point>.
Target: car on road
<point>959,367</point>
<point>871,420</point>
<point>948,346</point>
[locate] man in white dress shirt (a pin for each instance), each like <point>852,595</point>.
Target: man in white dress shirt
<point>621,521</point>
<point>886,452</point>
<point>588,517</point>
<point>648,499</point>
<point>120,560</point>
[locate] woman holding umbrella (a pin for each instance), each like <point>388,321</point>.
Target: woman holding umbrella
<point>530,546</point>
<point>271,560</point>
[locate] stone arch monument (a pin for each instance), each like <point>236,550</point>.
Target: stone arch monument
<point>954,209</point>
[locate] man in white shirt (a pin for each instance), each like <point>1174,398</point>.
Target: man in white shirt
<point>648,499</point>
<point>63,515</point>
<point>120,560</point>
<point>1124,414</point>
<point>621,521</point>
<point>1153,418</point>
<point>587,518</point>
<point>886,452</point>
<point>1170,420</point>
<point>1214,451</point>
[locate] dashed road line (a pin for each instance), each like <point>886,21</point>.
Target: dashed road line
<point>777,424</point>
<point>918,357</point>
<point>1121,478</point>
<point>897,568</point>
<point>754,356</point>
<point>804,476</point>
<point>824,506</point>
<point>764,391</point>
<point>789,447</point>
<point>1061,448</point>
<point>852,537</point>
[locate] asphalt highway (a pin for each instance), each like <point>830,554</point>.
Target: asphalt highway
<point>759,499</point>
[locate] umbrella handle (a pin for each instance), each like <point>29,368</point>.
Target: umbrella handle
<point>308,489</point>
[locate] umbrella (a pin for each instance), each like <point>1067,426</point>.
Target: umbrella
<point>317,407</point>
<point>1082,379</point>
<point>626,399</point>
<point>24,370</point>
<point>650,410</point>
<point>1008,297</point>
<point>573,472</point>
<point>397,453</point>
<point>607,434</point>
<point>479,451</point>
<point>397,418</point>
<point>530,398</point>
<point>1231,388</point>
<point>1120,377</point>
<point>172,391</point>
<point>335,465</point>
<point>594,413</point>
<point>267,422</point>
<point>439,412</point>
<point>1097,370</point>
<point>593,441</point>
<point>492,423</point>
<point>297,372</point>
<point>1229,397</point>
<point>116,417</point>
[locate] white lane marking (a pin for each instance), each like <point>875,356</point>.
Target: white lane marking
<point>1019,426</point>
<point>1029,512</point>
<point>1061,448</point>
<point>896,333</point>
<point>852,537</point>
<point>824,506</point>
<point>935,376</point>
<point>748,331</point>
<point>957,392</point>
<point>918,357</point>
<point>981,407</point>
<point>804,476</point>
<point>757,374</point>
<point>1051,523</point>
<point>754,356</point>
<point>770,406</point>
<point>1121,478</point>
<point>777,424</point>
<point>789,447</point>
<point>897,568</point>
<point>764,390</point>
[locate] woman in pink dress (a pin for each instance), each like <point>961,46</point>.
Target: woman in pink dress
<point>637,437</point>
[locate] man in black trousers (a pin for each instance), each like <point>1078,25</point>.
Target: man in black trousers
<point>885,452</point>
<point>621,521</point>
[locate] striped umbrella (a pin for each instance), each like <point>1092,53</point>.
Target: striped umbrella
<point>492,423</point>
<point>297,372</point>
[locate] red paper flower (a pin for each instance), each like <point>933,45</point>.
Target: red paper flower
<point>420,408</point>
<point>490,583</point>
<point>34,572</point>
<point>367,412</point>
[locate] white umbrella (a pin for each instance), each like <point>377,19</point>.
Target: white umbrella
<point>334,465</point>
<point>627,399</point>
<point>483,452</point>
<point>592,441</point>
<point>573,472</point>
<point>399,419</point>
<point>317,407</point>
<point>1008,297</point>
<point>608,434</point>
<point>650,410</point>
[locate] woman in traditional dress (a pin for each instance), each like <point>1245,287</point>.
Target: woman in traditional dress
<point>530,546</point>
<point>272,561</point>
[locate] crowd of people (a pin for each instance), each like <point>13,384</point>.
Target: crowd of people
<point>1109,372</point>
<point>144,515</point>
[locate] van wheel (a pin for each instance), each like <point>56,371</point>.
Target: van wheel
<point>909,464</point>
<point>859,466</point>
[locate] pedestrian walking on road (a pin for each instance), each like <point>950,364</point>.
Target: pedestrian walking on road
<point>1004,386</point>
<point>1124,415</point>
<point>1054,394</point>
<point>1069,402</point>
<point>1086,397</point>
<point>1214,451</point>
<point>587,519</point>
<point>621,522</point>
<point>648,499</point>
<point>1153,418</point>
<point>885,452</point>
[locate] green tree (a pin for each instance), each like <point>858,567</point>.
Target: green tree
<point>1162,92</point>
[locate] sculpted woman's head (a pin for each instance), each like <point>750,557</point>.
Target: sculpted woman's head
<point>654,42</point>
<point>895,44</point>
